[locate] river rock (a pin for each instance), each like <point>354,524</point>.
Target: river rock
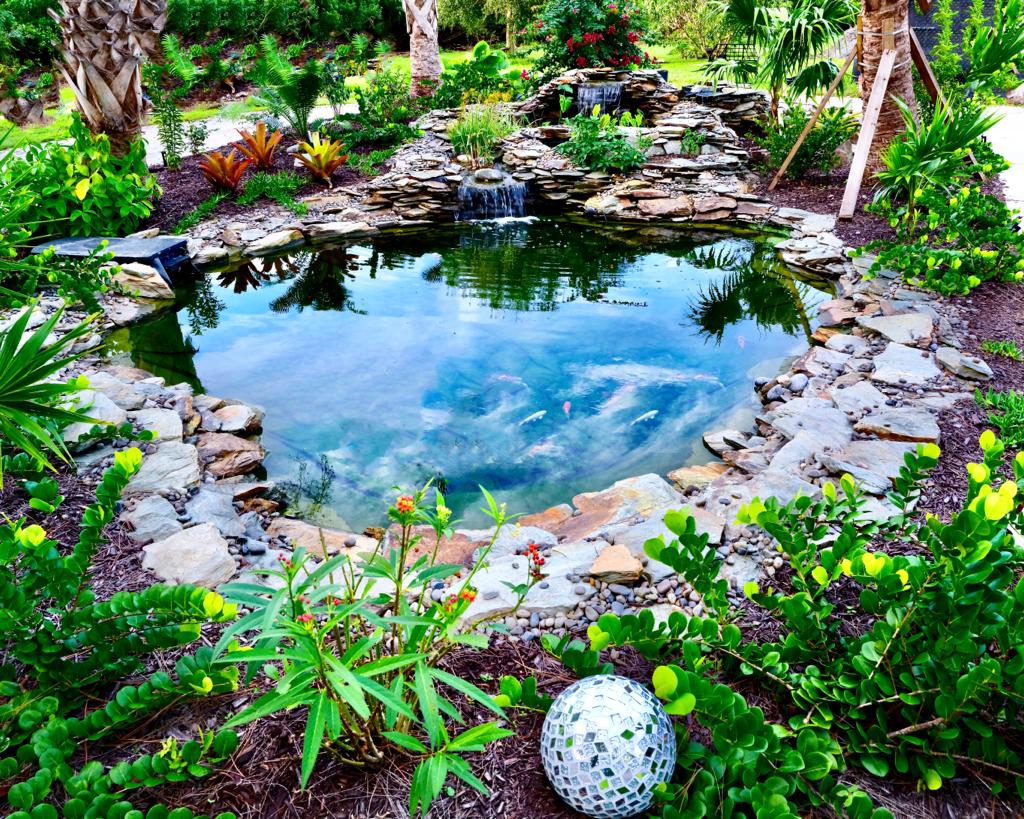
<point>216,507</point>
<point>226,455</point>
<point>900,424</point>
<point>900,365</point>
<point>904,328</point>
<point>807,414</point>
<point>153,518</point>
<point>616,564</point>
<point>963,365</point>
<point>550,519</point>
<point>725,440</point>
<point>174,467</point>
<point>143,281</point>
<point>165,424</point>
<point>198,555</point>
<point>239,419</point>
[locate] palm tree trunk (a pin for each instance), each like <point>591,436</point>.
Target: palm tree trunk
<point>885,23</point>
<point>104,43</point>
<point>424,53</point>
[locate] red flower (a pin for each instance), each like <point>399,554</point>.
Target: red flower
<point>405,504</point>
<point>581,62</point>
<point>612,29</point>
<point>632,36</point>
<point>305,619</point>
<point>524,74</point>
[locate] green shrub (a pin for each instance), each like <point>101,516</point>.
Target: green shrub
<point>478,129</point>
<point>65,655</point>
<point>590,33</point>
<point>818,151</point>
<point>201,211</point>
<point>597,142</point>
<point>485,75</point>
<point>82,189</point>
<point>952,243</point>
<point>357,646</point>
<point>919,684</point>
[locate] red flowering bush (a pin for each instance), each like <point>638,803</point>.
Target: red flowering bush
<point>591,33</point>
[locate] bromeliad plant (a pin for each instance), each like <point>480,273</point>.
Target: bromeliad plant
<point>358,643</point>
<point>64,655</point>
<point>926,683</point>
<point>322,156</point>
<point>260,147</point>
<point>224,171</point>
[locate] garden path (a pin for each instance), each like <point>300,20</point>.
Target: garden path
<point>1007,137</point>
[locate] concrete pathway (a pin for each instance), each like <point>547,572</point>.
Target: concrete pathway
<point>1007,137</point>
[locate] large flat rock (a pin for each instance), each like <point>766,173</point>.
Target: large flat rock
<point>153,518</point>
<point>314,538</point>
<point>198,555</point>
<point>174,467</point>
<point>900,365</point>
<point>637,497</point>
<point>905,328</point>
<point>900,424</point>
<point>227,455</point>
<point>873,464</point>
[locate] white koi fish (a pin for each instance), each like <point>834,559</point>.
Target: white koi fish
<point>529,419</point>
<point>647,416</point>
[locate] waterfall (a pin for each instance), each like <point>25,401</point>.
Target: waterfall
<point>490,194</point>
<point>605,95</point>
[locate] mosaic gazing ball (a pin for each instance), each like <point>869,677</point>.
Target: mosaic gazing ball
<point>606,744</point>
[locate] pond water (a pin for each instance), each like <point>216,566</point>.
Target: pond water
<point>536,358</point>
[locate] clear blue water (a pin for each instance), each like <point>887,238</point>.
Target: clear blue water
<point>536,358</point>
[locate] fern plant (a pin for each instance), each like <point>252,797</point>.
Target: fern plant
<point>287,92</point>
<point>63,655</point>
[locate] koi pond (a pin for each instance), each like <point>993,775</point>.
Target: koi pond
<point>536,358</point>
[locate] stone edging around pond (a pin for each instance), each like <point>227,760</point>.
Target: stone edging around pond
<point>888,365</point>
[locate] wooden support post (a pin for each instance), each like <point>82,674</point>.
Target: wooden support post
<point>814,118</point>
<point>869,121</point>
<point>924,69</point>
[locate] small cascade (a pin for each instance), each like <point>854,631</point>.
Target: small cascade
<point>490,194</point>
<point>605,95</point>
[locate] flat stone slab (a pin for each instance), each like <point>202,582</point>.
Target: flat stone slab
<point>873,464</point>
<point>198,555</point>
<point>174,467</point>
<point>905,328</point>
<point>153,518</point>
<point>900,365</point>
<point>164,253</point>
<point>901,424</point>
<point>962,364</point>
<point>216,507</point>
<point>858,398</point>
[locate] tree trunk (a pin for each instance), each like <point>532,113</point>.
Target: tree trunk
<point>510,29</point>
<point>104,43</point>
<point>424,53</point>
<point>885,24</point>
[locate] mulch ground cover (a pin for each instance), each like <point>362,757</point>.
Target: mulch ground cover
<point>185,188</point>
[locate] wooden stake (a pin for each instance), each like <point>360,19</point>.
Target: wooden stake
<point>869,122</point>
<point>814,118</point>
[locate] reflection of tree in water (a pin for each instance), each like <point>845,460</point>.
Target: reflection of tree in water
<point>507,271</point>
<point>755,286</point>
<point>308,494</point>
<point>257,272</point>
<point>323,284</point>
<point>203,308</point>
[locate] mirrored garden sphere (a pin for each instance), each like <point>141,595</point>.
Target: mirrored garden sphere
<point>606,744</point>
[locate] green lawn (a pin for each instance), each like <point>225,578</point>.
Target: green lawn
<point>680,72</point>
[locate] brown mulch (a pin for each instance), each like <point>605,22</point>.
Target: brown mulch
<point>186,187</point>
<point>823,193</point>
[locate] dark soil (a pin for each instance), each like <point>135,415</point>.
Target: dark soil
<point>994,311</point>
<point>186,188</point>
<point>823,193</point>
